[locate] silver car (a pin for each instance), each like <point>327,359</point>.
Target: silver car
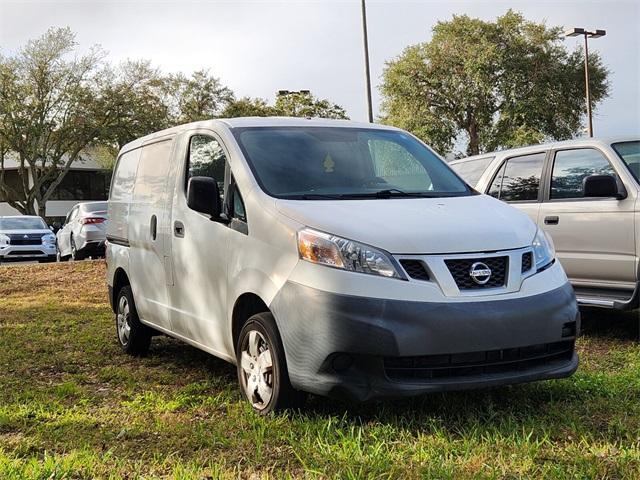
<point>26,237</point>
<point>586,194</point>
<point>84,232</point>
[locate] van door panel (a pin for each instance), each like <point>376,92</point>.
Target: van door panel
<point>199,252</point>
<point>149,207</point>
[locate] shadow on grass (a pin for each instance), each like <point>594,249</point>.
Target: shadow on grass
<point>610,324</point>
<point>538,407</point>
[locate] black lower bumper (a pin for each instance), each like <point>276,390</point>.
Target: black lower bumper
<point>343,345</point>
<point>94,248</point>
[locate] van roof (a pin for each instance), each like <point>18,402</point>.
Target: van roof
<point>241,122</point>
<point>578,142</point>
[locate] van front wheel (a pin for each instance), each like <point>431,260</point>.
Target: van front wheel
<point>262,367</point>
<point>133,336</point>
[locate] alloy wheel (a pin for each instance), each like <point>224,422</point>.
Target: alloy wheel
<point>123,318</point>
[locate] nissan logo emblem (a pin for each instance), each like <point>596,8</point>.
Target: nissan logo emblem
<point>480,273</point>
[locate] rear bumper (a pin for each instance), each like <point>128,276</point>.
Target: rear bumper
<point>351,346</point>
<point>94,248</point>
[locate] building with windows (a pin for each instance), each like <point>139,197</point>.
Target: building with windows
<point>86,181</point>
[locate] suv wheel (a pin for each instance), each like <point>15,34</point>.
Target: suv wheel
<point>133,336</point>
<point>262,367</point>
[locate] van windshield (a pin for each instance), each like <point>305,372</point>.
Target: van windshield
<point>629,152</point>
<point>342,163</point>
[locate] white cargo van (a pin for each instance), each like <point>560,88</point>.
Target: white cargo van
<point>330,257</point>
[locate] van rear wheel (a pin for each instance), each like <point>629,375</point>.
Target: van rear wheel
<point>133,336</point>
<point>262,367</point>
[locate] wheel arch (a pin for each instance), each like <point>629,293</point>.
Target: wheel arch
<point>120,280</point>
<point>245,306</point>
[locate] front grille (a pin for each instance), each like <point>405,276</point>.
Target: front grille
<point>474,364</point>
<point>26,252</point>
<point>19,239</point>
<point>460,270</point>
<point>527,261</point>
<point>415,269</point>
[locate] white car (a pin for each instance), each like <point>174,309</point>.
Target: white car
<point>331,257</point>
<point>84,232</point>
<point>26,237</point>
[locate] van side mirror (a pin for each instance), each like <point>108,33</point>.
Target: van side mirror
<point>602,186</point>
<point>203,195</point>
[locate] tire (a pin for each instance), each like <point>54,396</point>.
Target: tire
<point>133,336</point>
<point>75,254</point>
<point>257,378</point>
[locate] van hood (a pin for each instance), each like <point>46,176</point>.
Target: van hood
<point>477,223</point>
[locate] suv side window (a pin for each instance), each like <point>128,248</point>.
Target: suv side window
<point>519,178</point>
<point>570,167</point>
<point>206,159</point>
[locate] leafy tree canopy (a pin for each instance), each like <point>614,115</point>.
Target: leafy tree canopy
<point>288,104</point>
<point>498,84</point>
<point>51,109</point>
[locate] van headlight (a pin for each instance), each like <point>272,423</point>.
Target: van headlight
<point>49,239</point>
<point>338,252</point>
<point>543,249</point>
<point>4,239</point>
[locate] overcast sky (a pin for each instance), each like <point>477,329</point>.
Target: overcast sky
<point>259,47</point>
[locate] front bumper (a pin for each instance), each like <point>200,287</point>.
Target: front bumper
<point>347,346</point>
<point>26,252</point>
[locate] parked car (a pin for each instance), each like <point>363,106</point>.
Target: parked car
<point>585,193</point>
<point>330,257</point>
<point>83,233</point>
<point>26,237</point>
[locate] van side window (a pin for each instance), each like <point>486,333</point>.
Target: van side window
<point>519,178</point>
<point>238,205</point>
<point>151,177</point>
<point>570,167</point>
<point>206,159</point>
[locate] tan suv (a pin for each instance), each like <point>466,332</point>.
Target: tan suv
<point>586,195</point>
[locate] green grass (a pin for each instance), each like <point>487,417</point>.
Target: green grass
<point>73,406</point>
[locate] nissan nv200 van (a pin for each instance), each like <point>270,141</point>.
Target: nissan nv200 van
<point>586,194</point>
<point>330,257</point>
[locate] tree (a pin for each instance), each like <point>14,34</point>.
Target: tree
<point>248,107</point>
<point>288,104</point>
<point>499,84</point>
<point>50,111</point>
<point>304,104</point>
<point>135,99</point>
<point>199,97</point>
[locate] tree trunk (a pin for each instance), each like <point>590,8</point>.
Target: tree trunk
<point>474,139</point>
<point>42,209</point>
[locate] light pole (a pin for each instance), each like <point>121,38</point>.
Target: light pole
<point>574,32</point>
<point>366,61</point>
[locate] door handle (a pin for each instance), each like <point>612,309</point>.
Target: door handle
<point>552,220</point>
<point>153,227</point>
<point>178,229</point>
